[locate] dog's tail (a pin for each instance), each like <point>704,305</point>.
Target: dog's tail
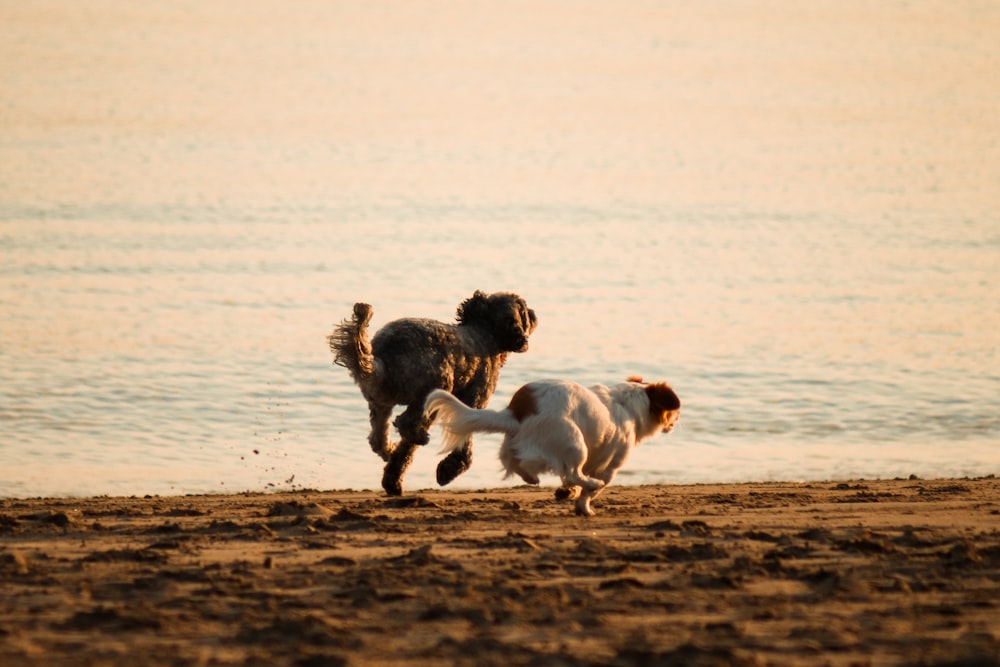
<point>350,345</point>
<point>458,421</point>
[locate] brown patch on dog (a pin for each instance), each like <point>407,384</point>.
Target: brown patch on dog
<point>522,404</point>
<point>635,378</point>
<point>662,399</point>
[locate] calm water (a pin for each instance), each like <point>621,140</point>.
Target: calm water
<point>789,212</point>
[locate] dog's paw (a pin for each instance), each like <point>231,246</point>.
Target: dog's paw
<point>392,474</point>
<point>585,510</point>
<point>451,467</point>
<point>392,485</point>
<point>567,493</point>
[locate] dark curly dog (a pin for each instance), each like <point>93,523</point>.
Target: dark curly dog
<point>409,358</point>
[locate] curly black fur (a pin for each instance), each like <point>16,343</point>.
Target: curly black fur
<point>408,358</point>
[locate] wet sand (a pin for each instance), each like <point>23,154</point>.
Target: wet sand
<point>840,573</point>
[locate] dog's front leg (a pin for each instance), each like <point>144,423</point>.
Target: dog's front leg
<point>412,432</point>
<point>583,507</point>
<point>567,493</point>
<point>589,486</point>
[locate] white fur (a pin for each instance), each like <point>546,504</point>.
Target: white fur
<point>582,434</point>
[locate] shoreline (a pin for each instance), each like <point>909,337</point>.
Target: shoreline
<point>874,572</point>
<point>547,485</point>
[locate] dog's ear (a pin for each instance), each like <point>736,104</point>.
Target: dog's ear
<point>532,320</point>
<point>476,307</point>
<point>662,398</point>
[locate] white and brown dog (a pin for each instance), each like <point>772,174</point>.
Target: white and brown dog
<point>582,434</point>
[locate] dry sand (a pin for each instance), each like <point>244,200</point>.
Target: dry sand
<point>858,573</point>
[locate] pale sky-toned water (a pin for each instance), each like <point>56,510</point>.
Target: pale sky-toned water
<point>788,210</point>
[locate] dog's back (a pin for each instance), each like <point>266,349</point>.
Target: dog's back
<point>408,357</point>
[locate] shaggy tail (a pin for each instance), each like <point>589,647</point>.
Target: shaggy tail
<point>458,421</point>
<point>350,345</point>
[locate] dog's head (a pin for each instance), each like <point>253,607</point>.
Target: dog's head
<point>664,404</point>
<point>505,315</point>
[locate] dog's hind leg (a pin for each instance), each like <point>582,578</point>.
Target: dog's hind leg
<point>379,437</point>
<point>413,431</point>
<point>399,461</point>
<point>514,466</point>
<point>453,465</point>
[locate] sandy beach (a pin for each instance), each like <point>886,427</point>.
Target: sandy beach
<point>901,572</point>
